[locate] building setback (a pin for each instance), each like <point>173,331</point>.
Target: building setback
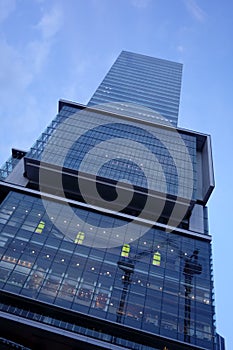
<point>103,224</point>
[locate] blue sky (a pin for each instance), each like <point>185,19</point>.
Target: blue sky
<point>62,49</point>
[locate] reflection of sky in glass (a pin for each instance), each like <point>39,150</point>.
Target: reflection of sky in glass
<point>52,268</point>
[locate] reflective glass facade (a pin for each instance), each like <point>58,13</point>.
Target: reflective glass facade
<point>145,82</point>
<point>45,265</point>
<point>159,142</point>
<point>77,274</point>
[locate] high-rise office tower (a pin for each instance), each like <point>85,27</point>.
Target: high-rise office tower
<point>104,230</point>
<point>144,81</point>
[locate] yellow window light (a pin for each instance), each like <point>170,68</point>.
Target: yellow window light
<point>156,259</point>
<point>40,227</point>
<point>125,250</point>
<point>79,238</point>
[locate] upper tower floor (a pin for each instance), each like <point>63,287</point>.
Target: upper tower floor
<point>137,82</point>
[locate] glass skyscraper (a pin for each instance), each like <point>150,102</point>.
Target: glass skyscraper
<point>144,81</point>
<point>104,228</point>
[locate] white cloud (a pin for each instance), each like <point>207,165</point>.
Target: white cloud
<point>38,52</point>
<point>6,8</point>
<point>14,74</point>
<point>21,111</point>
<point>180,48</point>
<point>51,23</point>
<point>19,67</point>
<point>195,10</point>
<point>140,3</point>
<point>48,26</point>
